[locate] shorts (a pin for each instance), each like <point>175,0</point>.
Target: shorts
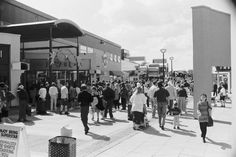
<point>222,98</point>
<point>64,102</point>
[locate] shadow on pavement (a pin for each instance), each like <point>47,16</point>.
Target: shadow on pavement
<point>181,125</point>
<point>29,123</point>
<point>188,116</point>
<point>121,120</point>
<point>44,114</point>
<point>183,132</point>
<point>219,106</point>
<point>109,120</point>
<point>122,111</point>
<point>222,144</point>
<point>223,122</point>
<point>152,131</point>
<point>73,116</point>
<point>102,123</point>
<point>99,137</point>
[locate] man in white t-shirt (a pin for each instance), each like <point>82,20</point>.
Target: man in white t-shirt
<point>64,99</point>
<point>172,91</point>
<point>53,92</point>
<point>151,92</point>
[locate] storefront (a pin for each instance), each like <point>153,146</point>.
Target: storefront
<point>54,49</point>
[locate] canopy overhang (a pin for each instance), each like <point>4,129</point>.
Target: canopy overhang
<point>44,30</point>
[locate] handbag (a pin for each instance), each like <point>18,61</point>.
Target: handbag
<point>210,120</point>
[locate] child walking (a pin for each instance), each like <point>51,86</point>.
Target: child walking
<point>176,114</point>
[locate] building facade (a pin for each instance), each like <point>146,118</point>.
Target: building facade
<point>98,59</point>
<point>95,58</point>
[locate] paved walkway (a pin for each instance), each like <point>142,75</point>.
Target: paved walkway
<point>111,139</point>
<point>185,142</point>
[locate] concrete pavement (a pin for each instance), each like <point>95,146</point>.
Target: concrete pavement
<point>109,138</point>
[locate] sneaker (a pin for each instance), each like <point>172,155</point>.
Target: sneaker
<point>178,127</point>
<point>174,128</point>
<point>86,131</point>
<point>204,141</point>
<point>162,127</point>
<point>67,113</point>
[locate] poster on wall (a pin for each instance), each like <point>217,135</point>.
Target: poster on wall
<point>13,141</point>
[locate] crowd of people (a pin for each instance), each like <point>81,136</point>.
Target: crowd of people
<point>102,98</point>
<point>220,93</point>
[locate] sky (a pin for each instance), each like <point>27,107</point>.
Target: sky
<point>141,26</point>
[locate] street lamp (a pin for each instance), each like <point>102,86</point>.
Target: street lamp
<point>171,59</point>
<point>163,53</point>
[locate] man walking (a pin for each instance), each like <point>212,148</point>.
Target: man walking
<point>108,96</point>
<point>172,91</point>
<point>64,99</point>
<point>84,98</point>
<point>151,92</point>
<point>161,96</point>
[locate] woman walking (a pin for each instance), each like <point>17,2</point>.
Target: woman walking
<point>182,96</point>
<point>138,100</point>
<point>203,108</point>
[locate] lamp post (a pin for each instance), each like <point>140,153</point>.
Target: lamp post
<point>163,69</point>
<point>171,61</point>
<point>77,62</point>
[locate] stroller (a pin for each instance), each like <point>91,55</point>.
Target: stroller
<point>144,120</point>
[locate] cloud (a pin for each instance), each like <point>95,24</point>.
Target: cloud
<point>144,27</point>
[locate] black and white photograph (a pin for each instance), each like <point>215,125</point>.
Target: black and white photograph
<point>117,78</point>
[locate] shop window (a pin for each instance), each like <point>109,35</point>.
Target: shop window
<point>111,57</point>
<point>90,50</point>
<point>118,59</point>
<point>83,49</point>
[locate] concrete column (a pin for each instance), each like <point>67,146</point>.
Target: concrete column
<point>14,41</point>
<point>211,47</point>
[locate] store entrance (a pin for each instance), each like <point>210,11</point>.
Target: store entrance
<point>5,64</point>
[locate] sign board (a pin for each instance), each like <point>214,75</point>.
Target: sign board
<point>159,60</point>
<point>13,141</point>
<point>137,58</point>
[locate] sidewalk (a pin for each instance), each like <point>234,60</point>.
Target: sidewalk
<point>185,142</point>
<point>111,139</point>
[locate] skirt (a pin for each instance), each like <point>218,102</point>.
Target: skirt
<point>138,117</point>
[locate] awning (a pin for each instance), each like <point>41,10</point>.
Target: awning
<point>116,73</point>
<point>40,31</point>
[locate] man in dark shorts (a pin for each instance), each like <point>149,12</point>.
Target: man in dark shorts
<point>162,101</point>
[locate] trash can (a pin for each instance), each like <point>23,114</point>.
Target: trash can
<point>62,146</point>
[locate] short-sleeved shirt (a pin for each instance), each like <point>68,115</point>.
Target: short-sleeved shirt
<point>64,92</point>
<point>161,95</point>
